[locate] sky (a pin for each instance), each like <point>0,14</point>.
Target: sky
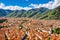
<point>28,4</point>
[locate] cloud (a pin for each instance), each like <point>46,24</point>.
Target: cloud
<point>2,6</point>
<point>50,4</point>
<point>56,3</point>
<point>12,7</point>
<point>26,8</point>
<point>47,5</point>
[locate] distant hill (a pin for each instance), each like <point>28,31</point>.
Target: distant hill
<point>38,13</point>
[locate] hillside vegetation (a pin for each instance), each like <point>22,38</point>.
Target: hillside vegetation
<point>38,13</point>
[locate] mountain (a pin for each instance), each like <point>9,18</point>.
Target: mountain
<point>37,13</point>
<point>52,14</point>
<point>33,13</point>
<point>4,12</point>
<point>17,13</point>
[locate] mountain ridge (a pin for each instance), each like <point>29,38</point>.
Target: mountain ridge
<point>38,13</point>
